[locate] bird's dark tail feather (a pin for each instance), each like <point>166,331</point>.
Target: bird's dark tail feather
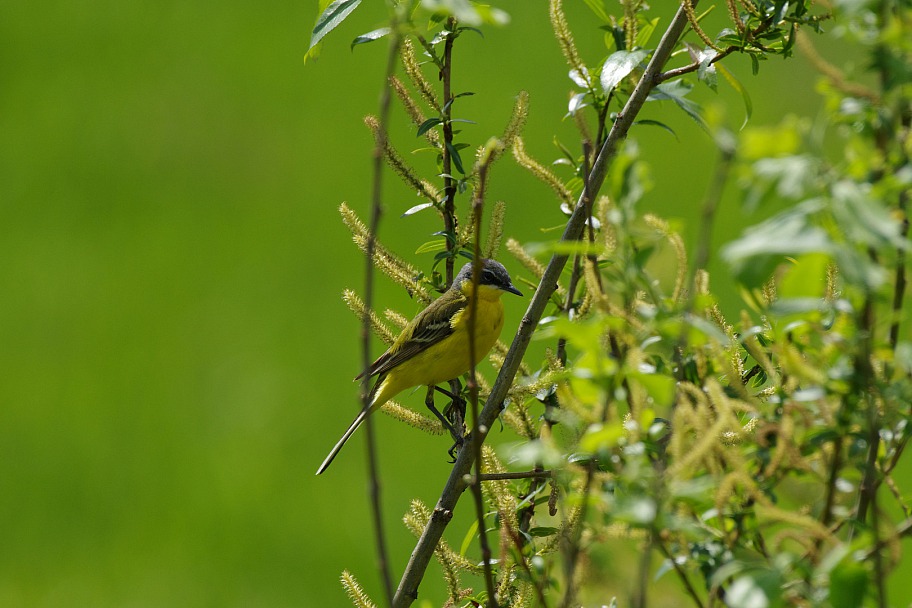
<point>351,429</point>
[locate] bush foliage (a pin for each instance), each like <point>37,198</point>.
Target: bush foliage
<point>749,458</point>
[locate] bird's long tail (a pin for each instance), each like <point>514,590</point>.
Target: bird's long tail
<point>351,430</point>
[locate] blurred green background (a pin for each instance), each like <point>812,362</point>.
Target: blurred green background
<point>176,358</point>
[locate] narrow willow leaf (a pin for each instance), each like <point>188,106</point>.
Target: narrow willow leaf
<point>576,104</point>
<point>676,90</point>
<point>417,208</point>
<point>467,12</point>
<point>645,32</point>
<point>457,160</point>
<point>618,65</point>
<point>438,245</point>
<point>736,85</point>
<point>370,36</point>
<point>656,123</point>
<point>427,125</point>
<point>331,18</point>
<point>580,78</point>
<point>598,7</point>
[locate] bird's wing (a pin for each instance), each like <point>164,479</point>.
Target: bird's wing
<point>432,325</point>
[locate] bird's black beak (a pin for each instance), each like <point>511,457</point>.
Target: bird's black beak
<point>512,289</point>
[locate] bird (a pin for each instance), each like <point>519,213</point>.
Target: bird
<point>434,347</point>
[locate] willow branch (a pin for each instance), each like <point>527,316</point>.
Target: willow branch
<point>449,188</point>
<point>455,485</point>
<point>477,428</point>
<point>376,212</point>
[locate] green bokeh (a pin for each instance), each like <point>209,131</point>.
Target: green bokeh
<point>176,358</point>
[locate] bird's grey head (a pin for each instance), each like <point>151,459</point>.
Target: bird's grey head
<point>492,273</point>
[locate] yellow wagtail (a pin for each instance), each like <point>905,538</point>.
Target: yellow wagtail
<point>434,347</point>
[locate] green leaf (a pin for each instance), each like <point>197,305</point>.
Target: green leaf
<point>467,12</point>
<point>706,71</point>
<point>761,248</point>
<point>417,208</point>
<point>598,7</point>
<point>439,245</point>
<point>806,278</point>
<point>745,592</point>
<point>848,583</point>
<point>427,125</point>
<point>470,534</point>
<point>736,85</point>
<point>676,90</point>
<point>370,36</point>
<point>656,123</point>
<point>601,437</point>
<point>645,32</point>
<point>863,219</point>
<point>331,18</point>
<point>660,388</point>
<point>454,156</point>
<point>618,66</point>
<point>543,531</point>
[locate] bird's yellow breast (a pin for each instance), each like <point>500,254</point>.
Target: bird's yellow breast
<point>449,358</point>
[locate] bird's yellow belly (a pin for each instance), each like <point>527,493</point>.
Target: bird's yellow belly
<point>450,358</point>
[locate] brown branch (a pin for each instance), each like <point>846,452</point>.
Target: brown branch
<point>520,475</point>
<point>477,429</point>
<point>456,484</point>
<point>681,574</point>
<point>449,201</point>
<point>376,212</point>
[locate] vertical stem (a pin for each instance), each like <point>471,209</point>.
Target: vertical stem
<point>477,430</point>
<point>376,212</point>
<point>449,183</point>
<point>639,600</point>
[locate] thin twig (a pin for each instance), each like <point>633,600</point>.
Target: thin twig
<point>681,574</point>
<point>519,475</point>
<point>455,485</point>
<point>477,429</point>
<point>449,201</point>
<point>536,582</point>
<point>639,600</point>
<point>570,543</point>
<point>710,204</point>
<point>376,212</point>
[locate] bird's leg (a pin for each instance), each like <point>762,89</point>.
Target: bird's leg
<point>429,402</point>
<point>455,412</point>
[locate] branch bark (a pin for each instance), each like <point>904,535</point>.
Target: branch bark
<point>455,485</point>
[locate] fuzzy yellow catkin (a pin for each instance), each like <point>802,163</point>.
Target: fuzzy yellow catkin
<point>354,591</point>
<point>396,318</point>
<point>495,230</point>
<point>695,24</point>
<point>734,16</point>
<point>603,208</point>
<point>416,520</point>
<point>388,263</point>
<point>413,70</point>
<point>498,492</point>
<point>412,418</point>
<point>356,305</point>
<point>406,173</point>
<point>565,37</point>
<point>517,119</point>
<point>413,111</point>
<point>541,172</point>
<point>677,244</point>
